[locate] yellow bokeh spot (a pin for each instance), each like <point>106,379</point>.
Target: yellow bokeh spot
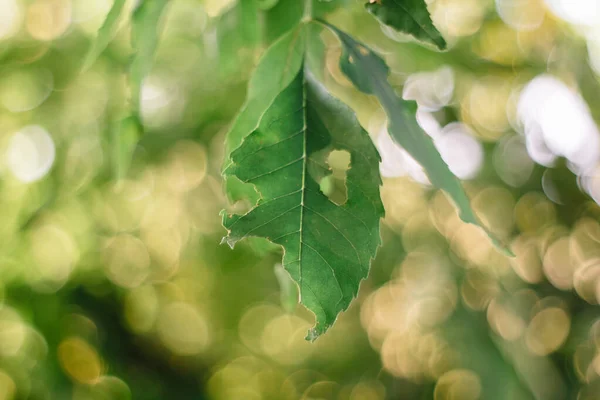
<point>12,332</point>
<point>55,254</point>
<point>186,166</point>
<point>504,321</point>
<point>48,19</point>
<point>8,388</point>
<point>559,266</point>
<point>458,384</point>
<point>283,339</point>
<point>533,212</point>
<point>368,391</point>
<point>214,8</point>
<point>79,360</point>
<point>141,308</point>
<point>127,261</point>
<point>325,390</point>
<point>478,290</point>
<point>527,263</point>
<point>547,331</point>
<point>182,329</point>
<point>105,388</point>
<point>458,17</point>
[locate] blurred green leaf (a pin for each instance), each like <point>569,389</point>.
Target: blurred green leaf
<point>328,247</point>
<point>266,4</point>
<point>369,74</point>
<point>282,18</point>
<point>125,139</point>
<point>408,16</point>
<point>286,14</point>
<point>144,40</point>
<point>105,33</point>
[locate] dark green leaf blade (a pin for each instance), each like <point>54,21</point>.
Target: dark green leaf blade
<point>105,33</point>
<point>368,72</point>
<point>408,16</point>
<point>328,248</point>
<point>269,78</point>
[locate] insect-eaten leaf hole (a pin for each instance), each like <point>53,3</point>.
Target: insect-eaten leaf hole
<point>334,185</point>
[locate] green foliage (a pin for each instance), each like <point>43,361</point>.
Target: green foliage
<point>369,74</point>
<point>144,39</point>
<point>408,16</point>
<point>113,284</point>
<point>105,33</point>
<point>327,247</point>
<point>269,78</point>
<point>125,138</point>
<point>276,160</point>
<point>286,14</point>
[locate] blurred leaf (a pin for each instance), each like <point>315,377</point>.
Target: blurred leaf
<point>286,14</point>
<point>282,18</point>
<point>408,16</point>
<point>266,4</point>
<point>328,248</point>
<point>144,40</point>
<point>125,140</point>
<point>105,33</point>
<point>369,74</point>
<point>239,26</point>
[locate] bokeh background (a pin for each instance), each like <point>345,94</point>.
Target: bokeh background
<point>119,288</point>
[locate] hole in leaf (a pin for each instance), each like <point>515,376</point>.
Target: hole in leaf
<point>334,185</point>
<point>363,51</point>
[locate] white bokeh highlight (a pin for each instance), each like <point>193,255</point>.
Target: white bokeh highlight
<point>432,90</point>
<point>30,153</point>
<point>11,17</point>
<point>578,12</point>
<point>523,15</point>
<point>455,142</point>
<point>557,122</point>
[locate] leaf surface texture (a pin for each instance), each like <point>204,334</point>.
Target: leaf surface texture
<point>408,16</point>
<point>327,247</point>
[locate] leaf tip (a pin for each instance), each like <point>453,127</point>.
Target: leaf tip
<point>229,241</point>
<point>312,335</point>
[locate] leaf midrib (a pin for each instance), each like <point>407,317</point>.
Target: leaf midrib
<point>303,186</point>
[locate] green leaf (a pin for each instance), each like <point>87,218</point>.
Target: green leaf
<point>144,39</point>
<point>328,248</point>
<point>105,33</point>
<point>368,72</point>
<point>266,4</point>
<point>408,16</point>
<point>270,77</point>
